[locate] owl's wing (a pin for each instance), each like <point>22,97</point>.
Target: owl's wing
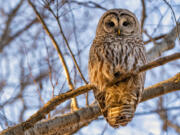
<point>96,76</point>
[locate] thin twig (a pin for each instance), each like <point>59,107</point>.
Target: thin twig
<point>163,115</point>
<point>174,16</point>
<point>6,38</point>
<point>11,16</point>
<point>89,4</point>
<point>143,14</point>
<point>32,77</point>
<point>154,38</point>
<point>156,63</point>
<point>159,62</point>
<point>67,44</point>
<point>61,57</point>
<point>150,38</point>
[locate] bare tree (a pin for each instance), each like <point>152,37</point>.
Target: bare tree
<point>44,48</point>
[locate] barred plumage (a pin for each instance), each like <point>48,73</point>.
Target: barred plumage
<point>113,55</point>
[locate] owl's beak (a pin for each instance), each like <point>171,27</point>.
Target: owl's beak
<point>118,32</point>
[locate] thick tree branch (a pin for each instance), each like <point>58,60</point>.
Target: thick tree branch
<point>63,97</point>
<point>49,106</point>
<point>63,124</point>
<point>67,123</point>
<point>161,88</point>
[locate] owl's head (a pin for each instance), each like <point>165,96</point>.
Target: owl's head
<point>121,22</point>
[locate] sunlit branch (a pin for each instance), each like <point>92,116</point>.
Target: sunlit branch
<point>159,62</point>
<point>66,123</point>
<point>156,63</point>
<point>67,44</point>
<point>72,55</point>
<point>61,57</point>
<point>161,88</point>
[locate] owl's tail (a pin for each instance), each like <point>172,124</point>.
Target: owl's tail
<point>120,112</point>
<point>120,115</point>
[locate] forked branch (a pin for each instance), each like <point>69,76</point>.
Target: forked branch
<point>70,122</point>
<point>61,57</point>
<point>167,86</point>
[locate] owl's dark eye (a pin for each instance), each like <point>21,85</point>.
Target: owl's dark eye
<point>126,23</point>
<point>111,24</point>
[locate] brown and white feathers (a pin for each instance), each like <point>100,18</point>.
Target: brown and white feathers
<point>117,50</point>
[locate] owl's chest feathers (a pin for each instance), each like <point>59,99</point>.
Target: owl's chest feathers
<point>120,53</point>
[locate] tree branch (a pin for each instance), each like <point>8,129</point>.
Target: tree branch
<point>161,88</point>
<point>159,62</point>
<point>156,63</point>
<point>89,4</point>
<point>143,14</point>
<point>174,16</point>
<point>63,97</point>
<point>6,38</point>
<point>166,44</point>
<point>63,124</point>
<point>11,16</point>
<point>164,117</point>
<point>67,44</point>
<point>154,38</point>
<point>61,57</point>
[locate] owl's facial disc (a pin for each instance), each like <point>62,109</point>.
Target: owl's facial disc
<point>127,25</point>
<point>110,23</point>
<point>119,22</point>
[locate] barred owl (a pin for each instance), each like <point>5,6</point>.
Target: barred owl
<point>117,50</point>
